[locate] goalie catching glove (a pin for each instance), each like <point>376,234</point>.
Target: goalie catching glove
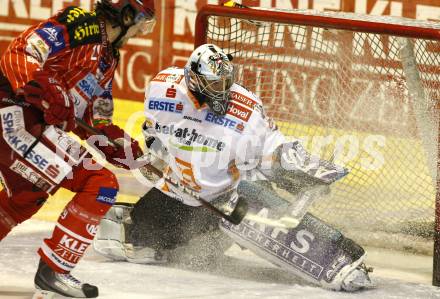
<point>123,156</point>
<point>50,96</point>
<point>295,169</point>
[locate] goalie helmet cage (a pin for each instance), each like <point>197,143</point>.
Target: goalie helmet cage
<point>359,89</point>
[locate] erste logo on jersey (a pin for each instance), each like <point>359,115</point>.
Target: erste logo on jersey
<point>224,122</point>
<point>161,104</point>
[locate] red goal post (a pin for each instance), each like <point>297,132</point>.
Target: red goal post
<point>340,81</point>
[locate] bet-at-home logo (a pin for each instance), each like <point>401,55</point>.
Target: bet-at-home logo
<point>191,141</point>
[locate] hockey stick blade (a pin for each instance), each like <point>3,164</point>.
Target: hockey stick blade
<point>236,215</point>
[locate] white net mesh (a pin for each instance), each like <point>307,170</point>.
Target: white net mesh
<point>367,100</point>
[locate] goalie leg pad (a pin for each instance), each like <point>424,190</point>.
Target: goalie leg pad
<point>110,237</point>
<point>312,250</point>
<point>111,241</point>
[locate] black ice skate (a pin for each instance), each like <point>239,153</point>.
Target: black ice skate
<point>50,283</point>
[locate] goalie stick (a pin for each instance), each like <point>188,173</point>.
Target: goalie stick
<point>235,217</point>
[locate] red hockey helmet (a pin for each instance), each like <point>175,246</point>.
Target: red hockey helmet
<point>143,11</point>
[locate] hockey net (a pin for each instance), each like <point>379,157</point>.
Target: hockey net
<point>361,90</point>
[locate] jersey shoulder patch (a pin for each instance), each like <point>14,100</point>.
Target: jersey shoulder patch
<point>241,95</point>
<point>82,26</point>
<point>170,75</point>
<point>53,38</point>
<point>245,104</point>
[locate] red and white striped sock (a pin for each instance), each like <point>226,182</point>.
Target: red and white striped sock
<point>73,234</point>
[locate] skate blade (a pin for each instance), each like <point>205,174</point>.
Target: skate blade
<point>43,294</point>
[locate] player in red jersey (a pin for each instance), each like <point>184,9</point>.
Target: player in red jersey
<point>57,70</point>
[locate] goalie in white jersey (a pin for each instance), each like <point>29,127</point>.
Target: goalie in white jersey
<point>212,135</point>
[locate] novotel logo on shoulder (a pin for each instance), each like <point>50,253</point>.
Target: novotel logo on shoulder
<point>165,105</point>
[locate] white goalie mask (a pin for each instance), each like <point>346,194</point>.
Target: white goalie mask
<point>209,74</point>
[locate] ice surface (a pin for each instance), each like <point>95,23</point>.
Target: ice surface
<point>241,275</point>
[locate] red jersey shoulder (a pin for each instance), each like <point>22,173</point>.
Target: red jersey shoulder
<point>82,26</point>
